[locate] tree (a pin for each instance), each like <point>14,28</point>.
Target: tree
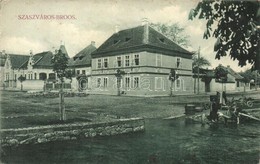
<point>119,74</point>
<point>250,75</point>
<point>60,65</point>
<point>235,24</point>
<point>172,77</point>
<point>174,32</point>
<point>221,74</point>
<point>198,62</point>
<point>21,79</point>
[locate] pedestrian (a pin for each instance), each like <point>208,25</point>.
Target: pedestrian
<point>214,110</point>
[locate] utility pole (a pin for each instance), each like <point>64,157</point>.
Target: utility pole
<point>198,89</point>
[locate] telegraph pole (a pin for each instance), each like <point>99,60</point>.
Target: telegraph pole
<point>198,89</point>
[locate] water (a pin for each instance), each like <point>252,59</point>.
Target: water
<point>164,141</point>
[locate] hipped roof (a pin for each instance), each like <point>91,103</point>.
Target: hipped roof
<point>83,58</point>
<point>140,39</point>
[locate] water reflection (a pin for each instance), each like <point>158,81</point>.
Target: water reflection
<point>164,141</point>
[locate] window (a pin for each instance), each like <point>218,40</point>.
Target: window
<point>52,76</point>
<point>78,72</point>
<point>158,82</point>
<point>127,61</point>
<point>35,76</point>
<point>106,63</point>
<point>42,76</point>
<point>105,82</point>
<point>119,62</point>
<point>178,83</point>
<point>158,60</point>
<point>127,83</point>
<point>15,77</point>
<point>84,72</point>
<point>98,82</point>
<point>136,59</point>
<point>136,82</point>
<point>178,62</point>
<point>99,64</point>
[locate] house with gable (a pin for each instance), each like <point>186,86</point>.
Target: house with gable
<point>144,57</point>
<point>36,68</point>
<point>209,83</point>
<point>12,70</point>
<point>81,66</point>
<point>2,66</point>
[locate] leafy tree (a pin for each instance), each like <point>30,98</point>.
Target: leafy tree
<point>21,79</point>
<point>234,24</point>
<point>60,65</point>
<point>251,75</point>
<point>174,32</point>
<point>200,62</point>
<point>119,75</point>
<point>248,75</point>
<point>172,77</point>
<point>221,74</point>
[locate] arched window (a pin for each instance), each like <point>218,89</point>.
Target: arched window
<point>52,76</point>
<point>42,76</point>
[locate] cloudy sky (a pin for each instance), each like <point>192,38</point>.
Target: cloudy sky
<point>94,21</point>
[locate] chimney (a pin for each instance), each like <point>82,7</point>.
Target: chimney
<point>93,43</point>
<point>145,23</point>
<point>117,28</point>
<point>31,53</point>
<point>3,52</point>
<point>53,50</point>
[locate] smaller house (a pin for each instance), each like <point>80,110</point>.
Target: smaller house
<point>12,69</point>
<point>81,66</point>
<point>208,82</point>
<point>36,68</point>
<point>2,65</point>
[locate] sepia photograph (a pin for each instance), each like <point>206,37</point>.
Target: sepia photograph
<point>128,81</point>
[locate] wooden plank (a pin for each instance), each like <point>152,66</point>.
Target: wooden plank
<point>249,116</point>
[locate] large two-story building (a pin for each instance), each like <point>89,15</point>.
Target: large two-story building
<point>144,57</point>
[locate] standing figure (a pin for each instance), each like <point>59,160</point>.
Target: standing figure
<point>224,98</point>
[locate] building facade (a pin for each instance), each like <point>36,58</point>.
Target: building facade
<point>138,61</point>
<point>80,64</point>
<point>208,82</point>
<point>35,68</point>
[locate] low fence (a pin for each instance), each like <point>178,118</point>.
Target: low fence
<point>43,134</point>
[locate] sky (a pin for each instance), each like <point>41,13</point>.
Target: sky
<point>94,20</point>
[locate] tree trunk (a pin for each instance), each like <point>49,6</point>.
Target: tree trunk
<point>118,86</point>
<point>195,84</point>
<point>198,82</point>
<point>21,86</point>
<point>62,106</point>
<point>171,88</point>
